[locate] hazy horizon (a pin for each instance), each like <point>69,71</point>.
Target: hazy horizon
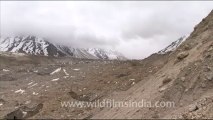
<point>135,29</point>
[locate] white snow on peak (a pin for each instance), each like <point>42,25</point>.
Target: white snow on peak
<point>27,44</point>
<point>105,54</point>
<point>39,46</point>
<point>174,45</point>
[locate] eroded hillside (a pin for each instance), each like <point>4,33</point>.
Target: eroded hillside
<point>185,79</point>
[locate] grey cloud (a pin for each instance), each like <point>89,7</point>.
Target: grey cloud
<point>136,29</point>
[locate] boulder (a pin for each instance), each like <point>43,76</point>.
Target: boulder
<point>193,107</point>
<point>209,76</point>
<point>182,55</point>
<point>183,79</point>
<point>24,112</point>
<point>167,80</point>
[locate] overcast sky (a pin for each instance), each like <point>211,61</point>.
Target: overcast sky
<point>136,29</point>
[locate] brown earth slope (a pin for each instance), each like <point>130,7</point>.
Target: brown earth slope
<point>186,80</point>
<point>30,81</point>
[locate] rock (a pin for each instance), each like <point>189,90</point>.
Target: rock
<point>84,98</point>
<point>79,97</point>
<point>210,48</point>
<point>207,69</point>
<point>7,77</point>
<point>193,107</point>
<point>182,79</point>
<point>73,95</point>
<point>121,75</point>
<point>163,75</point>
<point>187,47</point>
<point>203,85</point>
<point>88,117</point>
<point>2,101</point>
<point>178,116</point>
<point>186,90</point>
<point>43,72</point>
<point>182,55</point>
<point>167,80</point>
<point>208,55</point>
<point>155,115</point>
<point>209,76</point>
<point>24,112</point>
<point>162,89</point>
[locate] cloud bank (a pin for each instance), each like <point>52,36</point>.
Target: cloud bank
<point>136,29</point>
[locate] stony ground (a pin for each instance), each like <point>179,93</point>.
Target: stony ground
<point>29,81</point>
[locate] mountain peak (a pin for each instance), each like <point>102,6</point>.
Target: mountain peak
<point>39,46</point>
<point>173,46</point>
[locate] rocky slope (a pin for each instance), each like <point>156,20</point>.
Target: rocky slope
<point>38,46</point>
<point>185,79</point>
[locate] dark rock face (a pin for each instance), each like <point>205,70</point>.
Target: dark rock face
<point>53,51</point>
<point>24,112</point>
<point>167,80</point>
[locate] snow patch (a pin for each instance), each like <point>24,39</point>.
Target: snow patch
<point>133,83</point>
<point>33,85</point>
<point>38,46</point>
<point>56,79</point>
<point>27,102</point>
<point>65,72</point>
<point>30,83</point>
<point>131,79</point>
<point>34,93</point>
<point>20,91</point>
<point>174,45</point>
<point>5,70</point>
<point>76,69</point>
<point>24,113</point>
<point>56,71</point>
<point>65,77</point>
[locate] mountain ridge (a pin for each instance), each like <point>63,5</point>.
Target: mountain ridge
<point>39,46</point>
<point>173,46</point>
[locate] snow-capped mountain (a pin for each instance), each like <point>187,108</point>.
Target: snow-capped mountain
<point>39,46</point>
<point>173,45</point>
